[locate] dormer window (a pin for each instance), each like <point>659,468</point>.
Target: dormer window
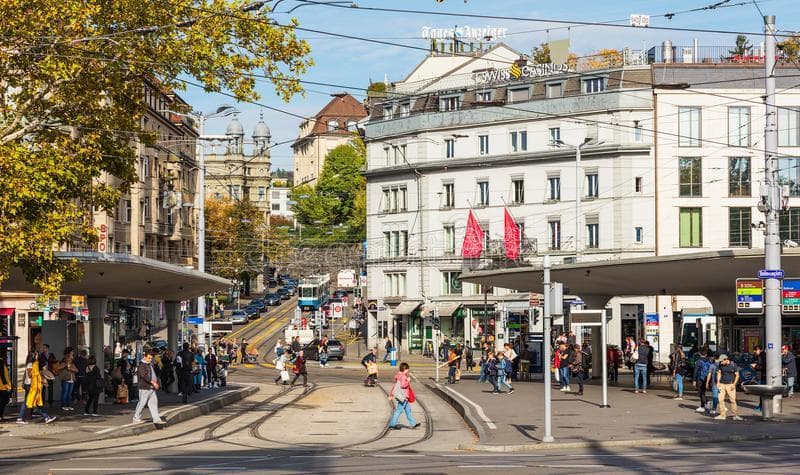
<point>333,126</point>
<point>449,104</point>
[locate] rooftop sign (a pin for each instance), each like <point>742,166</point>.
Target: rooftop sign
<point>464,33</point>
<point>516,72</point>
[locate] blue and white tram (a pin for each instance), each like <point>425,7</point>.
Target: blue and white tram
<point>313,292</point>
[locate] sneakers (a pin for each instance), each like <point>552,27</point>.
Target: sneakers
<point>644,391</point>
<point>393,428</point>
<point>86,414</point>
<point>511,391</point>
<point>416,425</point>
<point>737,418</point>
<point>720,417</point>
<point>700,409</point>
<point>49,419</point>
<point>137,421</point>
<point>21,421</point>
<point>94,414</point>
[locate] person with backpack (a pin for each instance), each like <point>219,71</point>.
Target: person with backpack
<point>504,371</point>
<point>701,371</point>
<point>94,384</point>
<point>183,363</point>
<point>492,371</point>
<point>677,362</point>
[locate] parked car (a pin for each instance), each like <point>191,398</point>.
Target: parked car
<point>272,299</point>
<point>285,294</point>
<point>238,316</point>
<point>252,312</point>
<point>335,350</point>
<point>291,289</point>
<point>260,303</point>
<point>272,282</point>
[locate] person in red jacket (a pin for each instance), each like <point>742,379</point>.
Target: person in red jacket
<point>614,358</point>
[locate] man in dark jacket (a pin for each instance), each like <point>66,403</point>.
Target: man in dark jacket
<point>148,385</point>
<point>300,369</point>
<point>184,367</point>
<point>790,368</point>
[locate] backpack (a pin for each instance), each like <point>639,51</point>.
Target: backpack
<point>508,367</point>
<point>703,366</point>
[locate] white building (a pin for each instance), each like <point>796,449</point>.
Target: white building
<point>461,133</point>
<point>279,202</point>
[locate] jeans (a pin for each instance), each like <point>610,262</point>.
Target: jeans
<point>493,381</point>
<point>714,397</point>
<point>147,397</point>
<point>399,408</point>
<point>386,356</point>
<point>679,383</point>
<point>66,393</point>
<point>503,381</point>
<point>790,382</point>
<point>482,377</point>
<point>451,374</point>
<point>640,370</point>
<point>24,401</point>
<point>564,374</point>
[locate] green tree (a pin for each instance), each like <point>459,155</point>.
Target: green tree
<point>541,54</point>
<point>742,47</point>
<point>790,47</point>
<point>71,82</point>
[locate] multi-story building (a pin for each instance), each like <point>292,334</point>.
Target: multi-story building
<point>663,170</point>
<point>237,174</point>
<point>334,125</point>
<point>279,202</point>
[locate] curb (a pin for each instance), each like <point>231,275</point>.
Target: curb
<point>620,443</point>
<point>464,411</point>
<point>183,413</point>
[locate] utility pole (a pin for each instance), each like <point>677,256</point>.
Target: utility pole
<point>548,388</point>
<point>772,200</point>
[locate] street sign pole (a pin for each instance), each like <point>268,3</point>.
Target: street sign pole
<point>548,388</point>
<point>604,338</point>
<point>436,341</point>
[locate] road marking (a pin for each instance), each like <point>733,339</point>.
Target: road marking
<point>398,455</point>
<point>575,465</point>
<point>315,456</point>
<point>492,466</point>
<point>110,469</point>
<point>26,460</point>
<point>478,408</point>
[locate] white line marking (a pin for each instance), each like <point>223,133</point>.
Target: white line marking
<point>478,408</point>
<point>26,460</point>
<point>315,456</point>
<point>492,466</point>
<point>577,465</point>
<point>399,455</point>
<point>110,469</point>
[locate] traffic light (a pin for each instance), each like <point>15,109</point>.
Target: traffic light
<point>436,323</point>
<point>535,316</point>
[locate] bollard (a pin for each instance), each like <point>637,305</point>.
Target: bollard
<point>393,356</point>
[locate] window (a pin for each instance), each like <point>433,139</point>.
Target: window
<point>789,127</point>
<point>141,212</point>
<point>449,103</point>
<point>739,232</point>
<point>554,188</point>
<point>689,129</point>
<point>450,148</point>
<point>594,85</point>
<point>483,193</point>
<point>637,184</point>
<point>739,176</point>
<point>519,94</point>
<point>448,195</point>
<point>518,187</point>
<point>234,192</point>
<point>554,241</point>
<point>144,169</point>
<point>592,235</point>
<point>637,131</point>
<point>486,237</point>
<point>395,243</point>
<point>690,177</point>
<point>555,135</point>
<point>395,284</point>
<point>405,109</point>
<point>128,211</point>
<point>789,223</point>
<point>387,112</point>
<point>449,239</point>
<point>483,96</point>
<point>519,141</point>
<point>638,234</point>
<point>146,206</point>
<point>789,174</point>
<point>555,89</point>
<point>691,227</point>
<point>483,141</point>
<point>395,199</point>
<point>353,125</point>
<point>276,195</point>
<point>739,126</point>
<point>262,193</point>
<point>592,185</point>
<point>333,126</point>
<point>386,155</point>
<point>276,206</point>
<point>396,155</point>
<point>450,283</point>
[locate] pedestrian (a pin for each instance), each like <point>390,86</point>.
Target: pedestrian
<point>322,352</point>
<point>727,379</point>
<point>567,358</point>
<point>630,345</point>
<point>300,369</point>
<point>614,357</point>
<point>296,347</point>
<point>403,396</point>
<point>470,358</point>
<point>711,383</point>
<point>243,349</point>
<point>760,367</point>
<point>94,384</point>
<point>167,370</point>
<point>67,375</point>
<point>504,371</point>
<point>280,348</point>
<point>387,345</point>
<point>651,369</point>
<point>6,389</point>
<point>198,369</point>
<point>702,368</point>
<point>492,371</point>
<point>511,355</point>
<point>577,368</point>
<point>127,371</point>
<point>148,385</point>
<point>183,363</point>
<point>484,375</point>
<point>641,361</point>
<point>49,371</point>
<point>26,383</point>
<point>677,362</point>
<point>280,365</point>
<point>34,400</point>
<point>789,366</point>
<point>211,368</point>
<point>452,364</point>
<point>80,377</point>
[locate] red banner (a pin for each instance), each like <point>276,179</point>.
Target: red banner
<point>473,239</point>
<point>512,237</point>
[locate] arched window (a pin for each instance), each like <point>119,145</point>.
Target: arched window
<point>333,126</point>
<point>351,125</point>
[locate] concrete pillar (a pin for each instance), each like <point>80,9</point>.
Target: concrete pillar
<point>98,306</point>
<point>173,311</point>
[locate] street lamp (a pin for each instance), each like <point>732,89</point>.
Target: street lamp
<point>222,111</point>
<point>578,185</point>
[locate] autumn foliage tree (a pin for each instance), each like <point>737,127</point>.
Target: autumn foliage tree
<point>71,101</point>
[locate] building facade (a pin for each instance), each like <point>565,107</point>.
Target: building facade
<point>279,202</point>
<point>334,125</point>
<point>662,171</point>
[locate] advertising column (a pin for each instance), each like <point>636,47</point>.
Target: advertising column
<point>651,330</point>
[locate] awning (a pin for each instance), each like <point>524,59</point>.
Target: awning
<point>406,308</point>
<point>447,309</point>
<point>6,312</point>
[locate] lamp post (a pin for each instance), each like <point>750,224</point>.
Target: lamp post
<point>222,111</point>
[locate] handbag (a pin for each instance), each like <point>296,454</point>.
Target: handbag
<point>372,368</point>
<point>284,375</point>
<point>458,374</point>
<point>634,356</point>
<point>411,396</point>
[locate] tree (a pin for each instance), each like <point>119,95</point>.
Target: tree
<point>235,238</point>
<point>71,102</point>
<point>541,54</point>
<point>742,47</point>
<point>790,47</point>
<point>605,58</point>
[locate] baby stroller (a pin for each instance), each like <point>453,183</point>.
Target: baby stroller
<point>372,374</point>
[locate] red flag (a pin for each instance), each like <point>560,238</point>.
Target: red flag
<point>512,237</point>
<point>473,239</point>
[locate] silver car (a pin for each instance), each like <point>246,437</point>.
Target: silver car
<point>238,316</point>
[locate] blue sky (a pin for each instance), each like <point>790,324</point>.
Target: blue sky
<point>353,63</point>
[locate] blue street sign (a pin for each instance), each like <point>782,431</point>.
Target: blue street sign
<point>770,274</point>
<point>194,320</point>
<point>770,346</point>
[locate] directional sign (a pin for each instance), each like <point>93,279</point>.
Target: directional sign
<point>770,274</point>
<point>749,297</point>
<point>790,295</point>
<point>194,320</point>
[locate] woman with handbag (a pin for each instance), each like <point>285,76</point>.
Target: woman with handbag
<point>403,396</point>
<point>34,392</point>
<point>95,384</point>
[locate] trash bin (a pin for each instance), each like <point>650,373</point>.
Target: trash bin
<point>393,356</point>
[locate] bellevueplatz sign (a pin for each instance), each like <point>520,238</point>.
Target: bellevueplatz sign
<point>516,72</point>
